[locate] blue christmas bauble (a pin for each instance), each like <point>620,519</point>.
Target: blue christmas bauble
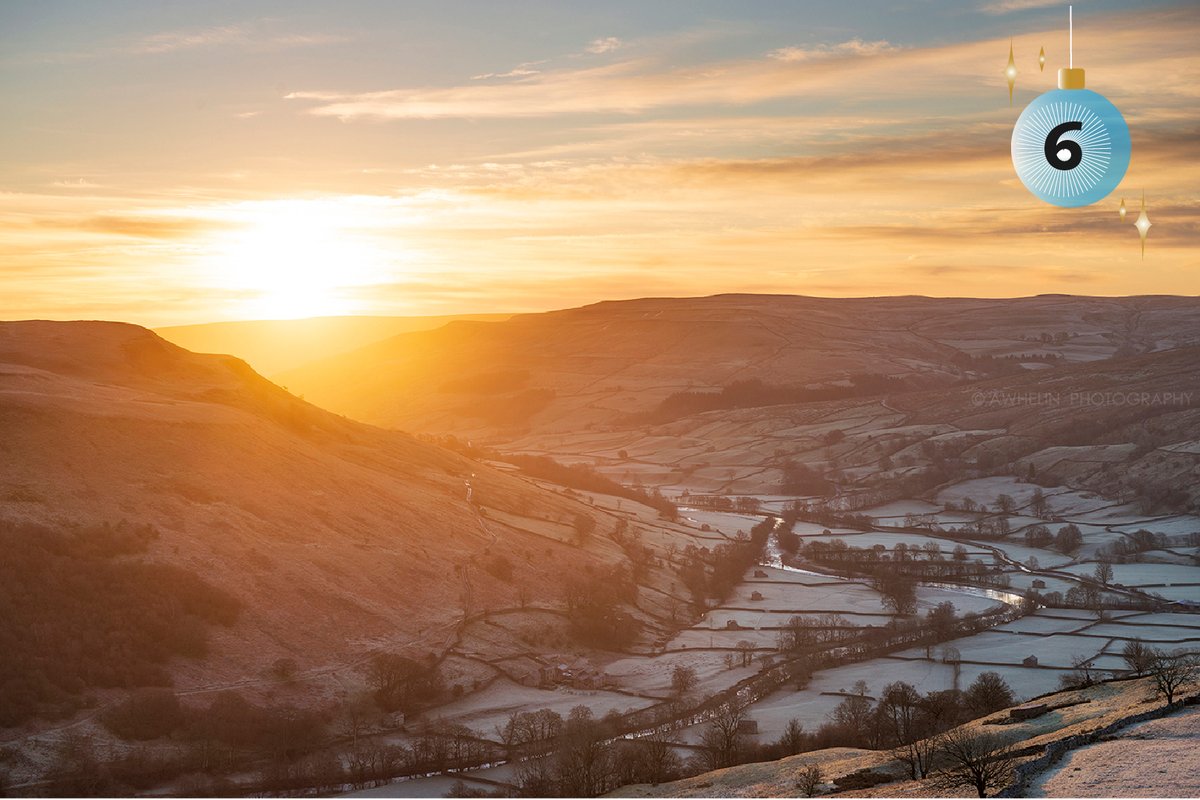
<point>1071,147</point>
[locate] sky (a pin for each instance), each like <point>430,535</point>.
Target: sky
<point>178,162</point>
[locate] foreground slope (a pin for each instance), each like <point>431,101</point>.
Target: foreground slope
<point>1097,712</point>
<point>338,539</point>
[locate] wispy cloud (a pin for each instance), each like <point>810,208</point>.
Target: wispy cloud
<point>1009,6</point>
<point>519,71</point>
<point>851,47</point>
<point>79,184</point>
<point>930,77</point>
<point>143,227</point>
<point>606,44</point>
<point>241,35</point>
<point>254,35</point>
<point>627,86</point>
<point>170,41</point>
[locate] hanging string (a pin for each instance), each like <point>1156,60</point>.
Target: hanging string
<point>1071,34</point>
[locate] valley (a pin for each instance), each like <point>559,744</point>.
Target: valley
<point>774,553</point>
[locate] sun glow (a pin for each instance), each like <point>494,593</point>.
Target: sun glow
<point>299,258</point>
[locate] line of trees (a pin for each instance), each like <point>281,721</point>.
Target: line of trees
<point>713,574</point>
<point>899,567</point>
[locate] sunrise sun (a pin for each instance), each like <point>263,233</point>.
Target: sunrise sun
<point>297,258</point>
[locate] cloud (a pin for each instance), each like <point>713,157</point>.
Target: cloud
<point>885,169</point>
<point>169,41</point>
<point>604,45</point>
<point>624,87</point>
<point>146,227</point>
<point>855,47</point>
<point>519,71</point>
<point>856,69</point>
<point>77,183</point>
<point>242,35</point>
<point>247,36</point>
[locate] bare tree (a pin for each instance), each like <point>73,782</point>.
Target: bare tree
<point>1138,657</point>
<point>981,761</point>
<point>683,680</point>
<point>1038,505</point>
<point>722,738</point>
<point>1104,572</point>
<point>356,712</point>
<point>746,651</point>
<point>651,759</point>
<point>792,740</point>
<point>810,780</point>
<point>901,711</point>
<point>989,693</point>
<point>1173,672</point>
<point>1081,675</point>
<point>899,592</point>
<point>1068,539</point>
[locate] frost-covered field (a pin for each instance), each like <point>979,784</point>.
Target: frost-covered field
<point>811,705</point>
<point>1010,649</point>
<point>652,675</point>
<point>1169,526</point>
<point>1146,574</point>
<point>726,523</point>
<point>484,710</point>
<point>439,785</point>
<point>1058,638</point>
<point>1158,758</point>
<point>984,491</point>
<point>1042,624</point>
<point>1023,581</point>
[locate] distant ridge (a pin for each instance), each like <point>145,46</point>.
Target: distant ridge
<point>596,365</point>
<point>274,346</point>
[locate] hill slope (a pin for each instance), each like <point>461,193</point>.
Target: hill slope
<point>597,365</point>
<point>338,539</point>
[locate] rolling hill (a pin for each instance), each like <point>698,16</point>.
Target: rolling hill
<point>607,364</point>
<point>337,540</point>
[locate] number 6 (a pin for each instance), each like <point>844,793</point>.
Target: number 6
<point>1053,145</point>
